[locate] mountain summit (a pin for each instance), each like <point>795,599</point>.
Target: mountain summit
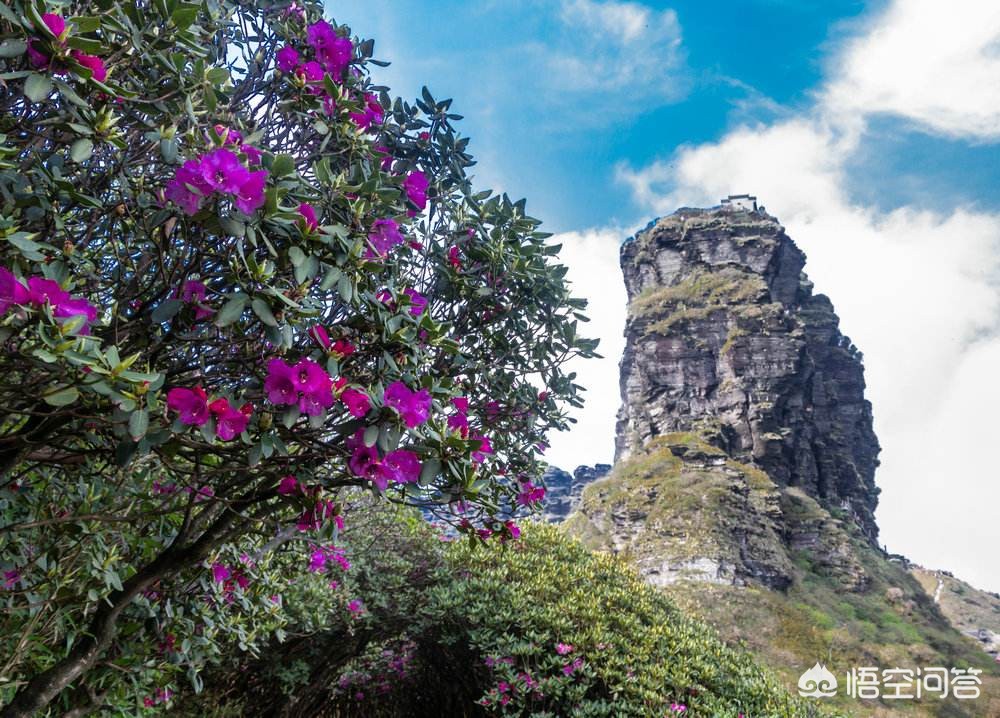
<point>744,476</point>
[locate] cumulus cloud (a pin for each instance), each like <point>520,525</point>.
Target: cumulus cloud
<point>592,259</point>
<point>618,47</point>
<point>916,290</point>
<point>935,63</point>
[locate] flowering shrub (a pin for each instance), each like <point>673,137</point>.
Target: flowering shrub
<point>227,258</point>
<point>540,627</point>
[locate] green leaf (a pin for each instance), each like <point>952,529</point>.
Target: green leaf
<point>81,150</point>
<point>371,435</point>
<point>429,471</point>
<point>263,312</point>
<point>37,87</point>
<point>282,165</point>
<point>138,423</point>
<point>231,310</point>
<point>296,256</point>
<point>62,397</point>
<point>184,16</point>
<point>13,48</point>
<point>167,310</point>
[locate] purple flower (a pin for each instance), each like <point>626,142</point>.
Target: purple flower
<point>195,292</point>
<point>356,401</point>
<point>191,404</point>
<point>250,195</point>
<point>252,154</point>
<point>46,291</point>
<point>418,302</point>
<point>364,461</point>
<point>222,170</point>
<point>308,216</point>
<point>413,407</point>
<point>11,578</point>
<point>288,58</point>
<point>320,34</point>
<point>230,422</point>
<point>36,57</point>
<point>288,486</point>
<point>219,572</point>
<point>384,235</point>
<point>372,114</point>
<point>310,71</point>
<point>530,494</point>
<point>92,63</point>
<point>280,383</point>
<point>485,447</point>
<point>415,186</point>
<point>401,466</point>
<point>228,135</point>
<point>336,56</point>
<point>563,648</point>
<point>315,385</point>
<point>188,188</point>
<point>55,24</point>
<point>317,561</point>
<point>320,336</point>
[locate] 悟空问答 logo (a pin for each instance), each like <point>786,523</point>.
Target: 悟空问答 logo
<point>817,682</point>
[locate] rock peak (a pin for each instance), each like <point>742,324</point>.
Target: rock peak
<point>726,339</point>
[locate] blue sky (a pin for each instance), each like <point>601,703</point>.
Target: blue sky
<point>870,129</point>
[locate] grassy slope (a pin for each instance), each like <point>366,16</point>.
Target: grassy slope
<point>657,507</point>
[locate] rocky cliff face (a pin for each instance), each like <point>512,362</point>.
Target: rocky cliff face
<point>744,479</point>
<point>563,489</point>
<point>726,339</point>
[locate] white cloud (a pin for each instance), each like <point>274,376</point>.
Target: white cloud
<point>917,291</point>
<point>936,63</point>
<point>592,259</point>
<point>619,47</point>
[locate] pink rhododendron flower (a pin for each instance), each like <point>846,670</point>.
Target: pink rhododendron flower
<point>401,466</point>
<point>384,235</point>
<point>315,387</point>
<point>418,302</point>
<point>372,114</point>
<point>55,23</point>
<point>455,258</point>
<point>223,171</point>
<point>563,648</point>
<point>678,707</point>
<point>485,447</point>
<point>513,530</point>
<point>288,485</point>
<point>311,72</point>
<point>250,195</point>
<point>279,384</point>
<point>191,404</point>
<point>219,572</point>
<point>413,407</point>
<point>308,216</point>
<point>230,422</point>
<point>530,494</point>
<point>356,401</point>
<point>195,292</point>
<point>355,606</point>
<point>333,51</point>
<point>570,668</point>
<point>11,578</point>
<point>92,63</point>
<point>459,422</point>
<point>319,334</point>
<point>228,135</point>
<point>36,57</point>
<point>415,186</point>
<point>343,347</point>
<point>287,58</point>
<point>252,154</point>
<point>461,404</point>
<point>382,151</point>
<point>188,188</point>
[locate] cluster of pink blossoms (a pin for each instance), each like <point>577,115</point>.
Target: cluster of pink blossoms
<point>196,293</point>
<point>417,301</point>
<point>39,58</point>
<point>459,422</point>
<point>413,407</point>
<point>162,695</point>
<point>194,409</point>
<point>529,493</point>
<point>322,555</point>
<point>400,466</point>
<point>38,293</point>
<point>340,348</point>
<point>222,171</point>
<point>306,384</point>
